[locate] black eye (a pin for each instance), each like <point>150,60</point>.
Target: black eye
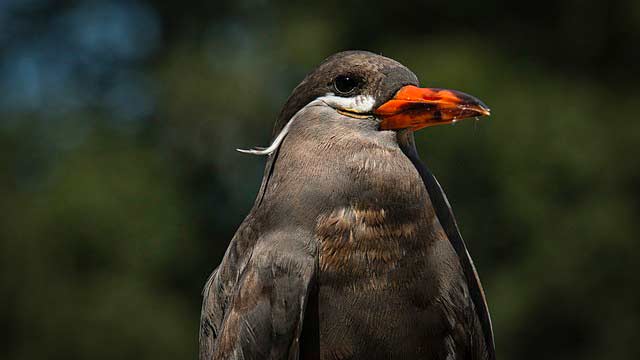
<point>345,84</point>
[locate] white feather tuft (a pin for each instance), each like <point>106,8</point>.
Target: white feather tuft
<point>276,142</point>
<point>361,104</point>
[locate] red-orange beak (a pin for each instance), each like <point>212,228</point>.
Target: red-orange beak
<point>415,108</point>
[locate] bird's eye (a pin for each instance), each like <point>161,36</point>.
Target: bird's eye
<point>345,84</point>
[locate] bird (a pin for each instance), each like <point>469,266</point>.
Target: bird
<point>351,249</point>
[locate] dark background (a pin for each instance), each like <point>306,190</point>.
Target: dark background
<point>120,187</point>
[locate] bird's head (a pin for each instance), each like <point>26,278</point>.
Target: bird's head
<point>364,85</point>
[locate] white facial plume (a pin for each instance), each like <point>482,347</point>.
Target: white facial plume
<point>360,104</point>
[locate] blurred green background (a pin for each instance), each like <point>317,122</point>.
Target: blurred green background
<point>120,187</point>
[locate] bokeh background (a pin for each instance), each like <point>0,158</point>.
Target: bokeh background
<point>120,187</point>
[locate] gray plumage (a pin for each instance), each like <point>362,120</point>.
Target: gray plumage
<point>351,250</point>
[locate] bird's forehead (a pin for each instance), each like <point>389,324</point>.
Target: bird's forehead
<point>364,62</point>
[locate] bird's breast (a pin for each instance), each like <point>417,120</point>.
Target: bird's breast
<point>377,223</point>
<point>383,258</point>
<point>358,243</point>
<point>381,272</point>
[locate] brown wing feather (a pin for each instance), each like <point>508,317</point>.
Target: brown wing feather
<point>256,310</point>
<point>447,220</point>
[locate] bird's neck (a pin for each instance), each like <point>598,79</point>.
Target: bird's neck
<point>354,173</point>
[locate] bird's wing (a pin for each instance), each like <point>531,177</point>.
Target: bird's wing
<point>256,310</point>
<point>447,220</point>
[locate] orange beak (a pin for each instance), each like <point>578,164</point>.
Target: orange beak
<point>415,108</point>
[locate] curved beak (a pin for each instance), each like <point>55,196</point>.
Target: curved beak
<point>415,108</point>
